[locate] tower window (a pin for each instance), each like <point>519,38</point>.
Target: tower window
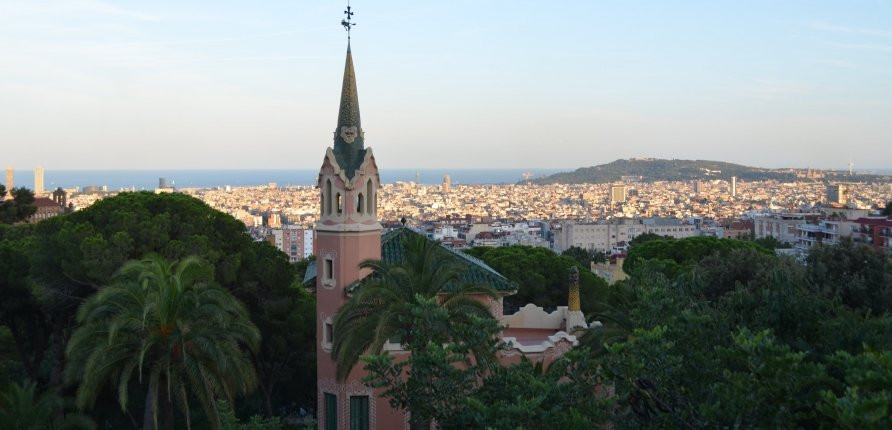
<point>329,269</point>
<point>328,197</point>
<point>370,192</point>
<point>328,336</point>
<point>340,204</point>
<point>331,411</point>
<point>360,202</point>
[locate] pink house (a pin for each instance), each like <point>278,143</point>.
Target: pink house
<point>348,232</point>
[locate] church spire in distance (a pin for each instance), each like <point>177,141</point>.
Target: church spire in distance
<point>348,140</point>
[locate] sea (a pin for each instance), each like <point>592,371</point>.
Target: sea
<point>116,180</point>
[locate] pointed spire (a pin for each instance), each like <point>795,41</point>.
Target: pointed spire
<point>349,147</point>
<point>348,114</point>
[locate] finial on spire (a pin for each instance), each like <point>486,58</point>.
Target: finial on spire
<point>347,22</point>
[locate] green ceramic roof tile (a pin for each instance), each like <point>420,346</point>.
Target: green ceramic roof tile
<point>474,271</point>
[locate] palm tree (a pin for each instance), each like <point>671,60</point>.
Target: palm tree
<point>22,407</point>
<point>170,328</point>
<point>380,309</point>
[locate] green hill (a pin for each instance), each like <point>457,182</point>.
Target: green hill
<point>649,170</point>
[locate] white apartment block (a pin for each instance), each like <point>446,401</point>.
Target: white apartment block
<point>614,235</point>
<point>783,227</point>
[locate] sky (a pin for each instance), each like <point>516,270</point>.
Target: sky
<point>101,84</point>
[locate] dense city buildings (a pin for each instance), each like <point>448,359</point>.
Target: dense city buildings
<point>497,215</point>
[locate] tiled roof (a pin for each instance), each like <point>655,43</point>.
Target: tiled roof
<point>473,270</point>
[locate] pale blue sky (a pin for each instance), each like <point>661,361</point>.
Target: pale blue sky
<point>459,83</point>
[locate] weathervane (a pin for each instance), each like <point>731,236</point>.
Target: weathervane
<point>346,22</point>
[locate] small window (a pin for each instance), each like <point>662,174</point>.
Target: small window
<point>340,204</point>
<point>360,202</point>
<point>329,269</point>
<point>370,193</point>
<point>328,197</point>
<point>359,412</point>
<point>331,411</point>
<point>328,336</point>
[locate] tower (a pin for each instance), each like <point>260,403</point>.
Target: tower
<point>38,181</point>
<point>447,184</point>
<point>10,180</point>
<point>347,233</point>
<point>734,186</point>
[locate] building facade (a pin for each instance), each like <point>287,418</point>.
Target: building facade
<point>348,233</point>
<point>38,181</point>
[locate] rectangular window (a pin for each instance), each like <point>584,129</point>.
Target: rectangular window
<point>329,268</point>
<point>329,333</point>
<point>331,411</point>
<point>359,412</point>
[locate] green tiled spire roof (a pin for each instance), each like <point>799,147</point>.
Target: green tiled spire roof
<point>349,154</point>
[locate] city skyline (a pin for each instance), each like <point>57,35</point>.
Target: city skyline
<point>93,84</point>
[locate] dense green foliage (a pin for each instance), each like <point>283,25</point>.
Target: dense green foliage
<point>52,267</point>
<point>381,308</point>
<point>19,207</point>
<point>541,276</point>
<point>679,255</point>
<point>22,407</point>
<point>682,170</point>
<point>731,337</point>
<point>585,257</point>
<point>169,327</point>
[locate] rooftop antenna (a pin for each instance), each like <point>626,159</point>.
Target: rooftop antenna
<point>347,23</point>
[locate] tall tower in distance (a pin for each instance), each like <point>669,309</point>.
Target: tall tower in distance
<point>38,181</point>
<point>10,180</point>
<point>447,184</point>
<point>734,186</point>
<point>617,193</point>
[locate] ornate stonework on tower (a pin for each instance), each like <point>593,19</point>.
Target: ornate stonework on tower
<point>347,233</point>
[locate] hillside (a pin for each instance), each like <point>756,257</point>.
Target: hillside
<point>650,170</point>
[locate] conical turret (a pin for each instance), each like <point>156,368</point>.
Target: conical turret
<point>349,148</point>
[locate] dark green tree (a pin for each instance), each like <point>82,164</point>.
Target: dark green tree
<point>167,327</point>
<point>381,308</point>
<point>541,276</point>
<point>19,207</point>
<point>585,257</point>
<point>72,256</point>
<point>679,255</point>
<point>856,274</point>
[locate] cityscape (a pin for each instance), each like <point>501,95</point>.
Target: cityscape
<point>697,281</point>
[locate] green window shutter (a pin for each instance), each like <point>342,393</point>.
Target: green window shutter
<point>331,412</point>
<point>359,412</point>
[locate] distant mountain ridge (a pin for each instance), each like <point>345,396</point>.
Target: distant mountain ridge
<point>651,169</point>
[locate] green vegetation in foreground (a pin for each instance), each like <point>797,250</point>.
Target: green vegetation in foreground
<point>729,335</point>
<point>541,276</point>
<point>51,268</point>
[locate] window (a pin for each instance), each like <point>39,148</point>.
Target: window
<point>359,412</point>
<point>370,193</point>
<point>328,196</point>
<point>328,336</point>
<point>329,269</point>
<point>331,411</point>
<point>360,202</point>
<point>340,204</point>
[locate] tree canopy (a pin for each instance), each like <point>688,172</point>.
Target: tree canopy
<point>541,276</point>
<point>66,259</point>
